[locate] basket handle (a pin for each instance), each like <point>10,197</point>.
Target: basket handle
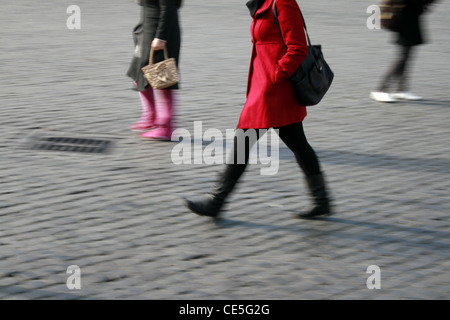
<point>166,55</point>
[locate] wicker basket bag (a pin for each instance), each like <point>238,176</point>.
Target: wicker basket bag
<point>162,74</point>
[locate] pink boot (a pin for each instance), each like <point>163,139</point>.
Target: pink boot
<point>160,133</point>
<point>142,125</point>
<point>147,120</point>
<point>165,112</point>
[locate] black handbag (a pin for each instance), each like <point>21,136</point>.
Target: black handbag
<point>314,76</point>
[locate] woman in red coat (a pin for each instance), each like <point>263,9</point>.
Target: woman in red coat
<point>271,103</point>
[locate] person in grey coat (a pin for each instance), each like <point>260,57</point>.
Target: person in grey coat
<point>409,33</point>
<point>159,29</point>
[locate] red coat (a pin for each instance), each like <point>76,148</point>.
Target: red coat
<point>271,101</point>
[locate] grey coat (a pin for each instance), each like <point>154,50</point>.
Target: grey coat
<point>159,19</point>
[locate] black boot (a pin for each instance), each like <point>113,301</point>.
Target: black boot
<point>212,205</point>
<point>318,191</point>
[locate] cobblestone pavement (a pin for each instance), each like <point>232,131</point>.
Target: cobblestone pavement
<point>118,215</point>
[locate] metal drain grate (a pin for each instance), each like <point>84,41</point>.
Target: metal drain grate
<point>83,145</point>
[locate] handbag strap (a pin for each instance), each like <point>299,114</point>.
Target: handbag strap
<point>166,55</point>
<point>275,14</point>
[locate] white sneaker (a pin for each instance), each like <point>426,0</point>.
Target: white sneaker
<point>406,96</point>
<point>382,96</point>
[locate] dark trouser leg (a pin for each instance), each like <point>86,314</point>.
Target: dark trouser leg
<point>294,138</point>
<point>397,71</point>
<point>211,206</point>
<point>403,72</point>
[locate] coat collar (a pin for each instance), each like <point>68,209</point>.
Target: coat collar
<point>258,5</point>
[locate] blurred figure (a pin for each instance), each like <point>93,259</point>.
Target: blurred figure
<point>158,29</point>
<point>409,34</point>
<point>271,103</point>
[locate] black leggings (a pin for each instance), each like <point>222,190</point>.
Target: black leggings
<point>294,138</point>
<point>398,71</point>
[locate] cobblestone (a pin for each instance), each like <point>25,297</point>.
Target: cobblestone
<point>119,217</point>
